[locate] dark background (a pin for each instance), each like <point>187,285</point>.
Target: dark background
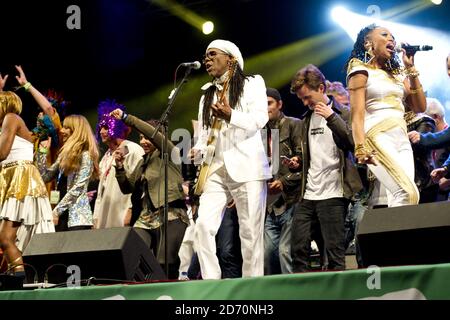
<point>129,48</point>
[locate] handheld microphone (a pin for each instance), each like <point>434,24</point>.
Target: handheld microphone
<point>411,48</point>
<point>194,65</point>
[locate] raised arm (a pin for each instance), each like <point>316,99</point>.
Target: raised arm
<point>341,130</point>
<point>143,127</point>
<point>3,81</point>
<point>415,97</point>
<point>126,182</point>
<point>38,97</point>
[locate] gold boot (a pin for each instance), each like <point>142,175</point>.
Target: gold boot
<point>14,267</point>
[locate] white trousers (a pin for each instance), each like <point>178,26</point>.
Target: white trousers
<point>250,199</point>
<point>187,245</point>
<point>396,145</point>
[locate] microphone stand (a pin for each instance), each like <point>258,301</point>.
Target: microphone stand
<point>164,121</point>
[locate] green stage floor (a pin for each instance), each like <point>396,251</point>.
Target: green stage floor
<point>409,282</point>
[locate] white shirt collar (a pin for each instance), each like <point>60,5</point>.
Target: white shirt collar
<point>217,82</point>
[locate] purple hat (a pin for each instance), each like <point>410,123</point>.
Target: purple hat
<point>116,128</point>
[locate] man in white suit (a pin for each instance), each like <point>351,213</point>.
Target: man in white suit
<point>239,168</point>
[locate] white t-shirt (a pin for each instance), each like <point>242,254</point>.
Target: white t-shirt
<point>324,176</point>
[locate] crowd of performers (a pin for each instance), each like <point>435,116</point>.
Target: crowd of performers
<point>278,188</point>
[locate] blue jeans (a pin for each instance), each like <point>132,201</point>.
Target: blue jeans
<point>277,243</point>
<point>361,211</point>
<point>354,216</point>
<point>228,248</point>
<point>229,245</point>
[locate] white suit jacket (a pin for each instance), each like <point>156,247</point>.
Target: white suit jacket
<point>240,142</point>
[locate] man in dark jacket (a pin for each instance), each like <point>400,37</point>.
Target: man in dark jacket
<point>423,162</point>
<point>283,134</point>
<point>148,179</point>
<point>329,175</point>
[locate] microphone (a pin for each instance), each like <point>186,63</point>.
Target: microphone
<point>411,48</point>
<point>194,65</point>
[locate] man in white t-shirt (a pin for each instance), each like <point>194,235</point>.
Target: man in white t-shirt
<point>329,176</point>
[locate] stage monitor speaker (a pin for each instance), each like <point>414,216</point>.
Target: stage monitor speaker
<point>114,253</point>
<point>407,235</point>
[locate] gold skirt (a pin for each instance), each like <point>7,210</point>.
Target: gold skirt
<point>24,199</point>
<point>19,179</point>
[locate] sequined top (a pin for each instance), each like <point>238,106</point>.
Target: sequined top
<point>76,199</point>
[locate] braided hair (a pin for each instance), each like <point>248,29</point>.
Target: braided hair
<point>392,65</point>
<point>236,89</point>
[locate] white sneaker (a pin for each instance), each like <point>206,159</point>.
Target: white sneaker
<point>314,246</point>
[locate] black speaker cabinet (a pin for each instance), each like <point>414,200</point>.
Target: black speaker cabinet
<point>408,235</point>
<point>115,254</point>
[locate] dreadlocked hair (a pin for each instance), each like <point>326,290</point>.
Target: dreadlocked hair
<point>236,89</point>
<point>392,65</point>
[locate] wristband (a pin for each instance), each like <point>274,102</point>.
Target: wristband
<point>27,86</point>
<point>415,91</point>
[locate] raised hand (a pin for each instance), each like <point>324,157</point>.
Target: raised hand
<point>222,110</point>
<point>292,163</point>
<point>2,81</point>
<point>119,156</point>
<point>21,79</point>
<point>408,60</point>
<point>117,114</point>
<point>323,110</point>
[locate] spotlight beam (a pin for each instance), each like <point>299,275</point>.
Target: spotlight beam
<point>404,10</point>
<point>182,12</point>
<point>410,12</point>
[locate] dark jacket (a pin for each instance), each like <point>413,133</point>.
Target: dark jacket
<point>289,145</point>
<point>339,124</point>
<point>437,140</point>
<point>153,168</point>
<point>422,155</point>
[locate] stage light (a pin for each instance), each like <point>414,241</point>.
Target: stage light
<point>350,22</point>
<point>436,2</point>
<point>338,13</point>
<point>208,27</point>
